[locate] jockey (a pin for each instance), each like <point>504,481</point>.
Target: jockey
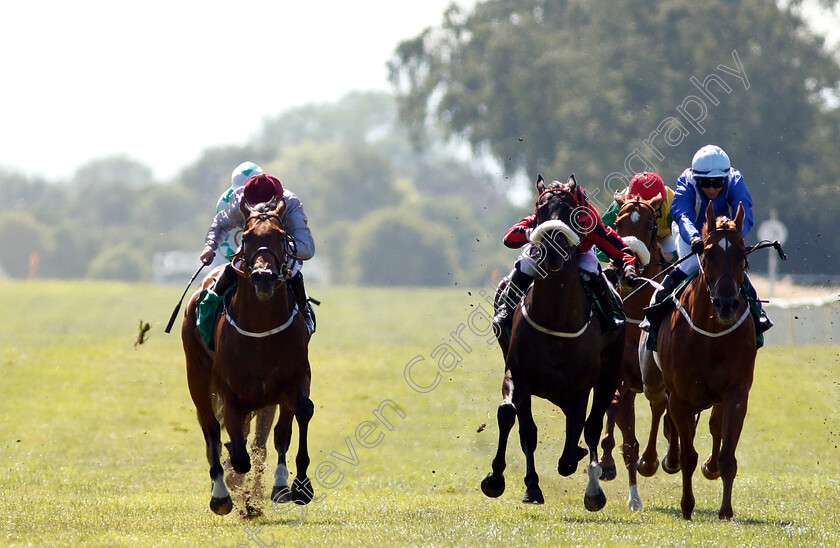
<point>261,188</point>
<point>711,177</point>
<point>240,175</point>
<point>605,238</point>
<point>647,186</point>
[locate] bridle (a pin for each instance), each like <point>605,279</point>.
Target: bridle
<point>711,289</point>
<point>651,245</point>
<point>289,249</point>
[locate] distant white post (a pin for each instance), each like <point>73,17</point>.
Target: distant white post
<point>773,230</point>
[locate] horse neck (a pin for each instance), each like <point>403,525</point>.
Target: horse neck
<point>252,314</point>
<point>558,300</point>
<point>698,302</point>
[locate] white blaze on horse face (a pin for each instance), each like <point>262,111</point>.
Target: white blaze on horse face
<point>220,490</point>
<point>724,243</point>
<point>634,217</point>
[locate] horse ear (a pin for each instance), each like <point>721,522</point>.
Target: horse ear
<point>710,216</point>
<point>280,210</point>
<point>540,184</point>
<point>619,197</point>
<point>656,201</point>
<point>739,217</point>
<point>572,181</point>
<point>244,208</point>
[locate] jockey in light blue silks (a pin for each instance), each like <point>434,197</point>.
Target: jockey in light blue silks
<point>711,178</point>
<point>259,187</point>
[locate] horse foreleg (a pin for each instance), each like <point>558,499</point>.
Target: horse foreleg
<point>281,493</point>
<point>626,421</point>
<point>302,487</point>
<point>235,426</point>
<point>493,485</point>
<point>528,442</point>
<point>734,413</point>
<point>608,469</point>
<point>594,498</point>
<point>710,467</point>
<point>572,452</point>
<point>683,421</point>
<point>671,462</point>
<point>221,502</point>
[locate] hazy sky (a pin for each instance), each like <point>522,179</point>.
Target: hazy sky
<point>162,80</point>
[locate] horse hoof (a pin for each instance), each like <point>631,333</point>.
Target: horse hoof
<point>608,472</point>
<point>670,468</point>
<point>302,491</point>
<point>281,494</point>
<point>708,473</point>
<point>493,486</point>
<point>533,496</point>
<point>241,465</point>
<point>647,468</point>
<point>221,506</point>
<point>593,504</point>
<point>566,469</point>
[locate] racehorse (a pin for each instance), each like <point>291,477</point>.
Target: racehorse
<point>260,359</point>
<point>706,350</point>
<point>557,351</point>
<point>636,224</point>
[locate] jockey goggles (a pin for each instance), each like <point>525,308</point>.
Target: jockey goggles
<point>711,182</point>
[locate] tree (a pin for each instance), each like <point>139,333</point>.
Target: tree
<point>399,247</point>
<point>118,169</point>
<point>556,86</point>
<point>25,239</point>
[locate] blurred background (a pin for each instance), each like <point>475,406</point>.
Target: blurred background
<point>411,131</point>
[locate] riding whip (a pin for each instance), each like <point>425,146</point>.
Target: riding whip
<point>178,306</point>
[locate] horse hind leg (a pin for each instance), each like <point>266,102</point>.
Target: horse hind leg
<point>221,502</point>
<point>710,467</point>
<point>280,492</point>
<point>607,462</point>
<point>626,421</point>
<point>493,485</point>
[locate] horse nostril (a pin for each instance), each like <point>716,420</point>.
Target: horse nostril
<point>716,302</point>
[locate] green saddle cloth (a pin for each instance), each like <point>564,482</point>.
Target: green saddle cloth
<point>207,312</point>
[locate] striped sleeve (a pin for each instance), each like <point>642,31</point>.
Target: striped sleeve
<point>517,235</point>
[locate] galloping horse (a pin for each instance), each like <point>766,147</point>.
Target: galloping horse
<point>261,359</point>
<point>636,224</point>
<point>558,351</point>
<point>707,350</point>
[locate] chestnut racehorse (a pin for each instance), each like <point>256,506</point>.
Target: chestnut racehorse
<point>558,351</point>
<point>636,224</point>
<point>706,350</point>
<point>260,359</point>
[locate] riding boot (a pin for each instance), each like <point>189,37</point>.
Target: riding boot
<point>517,285</point>
<point>225,281</point>
<point>299,292</point>
<point>661,303</point>
<point>601,289</point>
<point>762,322</point>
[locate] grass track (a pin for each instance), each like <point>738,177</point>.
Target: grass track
<point>100,445</point>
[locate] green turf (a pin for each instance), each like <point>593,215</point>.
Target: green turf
<point>100,445</point>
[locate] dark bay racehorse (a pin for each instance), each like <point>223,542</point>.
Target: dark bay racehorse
<point>558,351</point>
<point>707,350</point>
<point>261,359</point>
<point>636,224</point>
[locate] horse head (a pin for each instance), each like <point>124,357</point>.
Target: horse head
<point>636,224</point>
<point>265,247</point>
<point>560,220</point>
<point>723,262</point>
